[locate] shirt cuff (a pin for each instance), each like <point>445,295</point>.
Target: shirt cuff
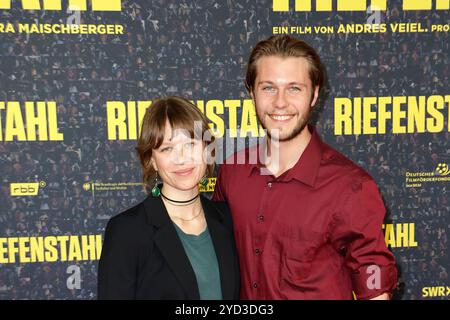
<point>371,281</point>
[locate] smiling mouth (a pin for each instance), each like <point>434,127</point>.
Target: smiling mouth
<point>281,117</point>
<point>184,172</point>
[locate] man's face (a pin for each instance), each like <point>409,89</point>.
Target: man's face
<point>283,95</point>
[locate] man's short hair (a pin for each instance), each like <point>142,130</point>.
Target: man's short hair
<point>284,46</point>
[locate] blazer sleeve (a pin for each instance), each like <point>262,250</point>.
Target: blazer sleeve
<point>227,219</point>
<point>117,265</point>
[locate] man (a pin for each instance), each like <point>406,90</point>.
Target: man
<point>307,220</point>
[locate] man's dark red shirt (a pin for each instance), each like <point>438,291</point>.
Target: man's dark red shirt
<point>314,232</point>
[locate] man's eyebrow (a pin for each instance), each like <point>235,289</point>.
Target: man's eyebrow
<point>297,83</point>
<point>290,83</point>
<point>265,81</point>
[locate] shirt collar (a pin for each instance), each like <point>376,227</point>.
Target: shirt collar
<point>307,167</point>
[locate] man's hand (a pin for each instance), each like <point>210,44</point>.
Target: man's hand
<point>384,296</point>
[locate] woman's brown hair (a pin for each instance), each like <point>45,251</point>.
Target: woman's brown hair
<point>181,114</point>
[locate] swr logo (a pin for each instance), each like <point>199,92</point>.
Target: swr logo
<point>358,5</point>
<point>74,5</point>
<point>440,291</point>
<point>25,189</point>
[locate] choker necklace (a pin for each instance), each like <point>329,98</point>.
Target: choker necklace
<point>176,201</point>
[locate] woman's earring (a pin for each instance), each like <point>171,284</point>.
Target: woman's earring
<point>204,181</point>
<point>155,191</point>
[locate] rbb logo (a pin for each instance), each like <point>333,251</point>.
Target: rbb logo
<point>24,189</point>
<point>75,5</point>
<point>358,5</point>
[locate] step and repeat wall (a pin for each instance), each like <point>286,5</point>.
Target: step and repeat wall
<point>76,77</point>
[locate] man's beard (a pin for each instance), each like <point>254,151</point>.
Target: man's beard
<point>300,125</point>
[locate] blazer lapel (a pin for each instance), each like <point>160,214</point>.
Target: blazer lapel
<point>166,239</point>
<point>221,239</point>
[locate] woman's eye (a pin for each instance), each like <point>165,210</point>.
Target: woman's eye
<point>295,89</point>
<point>167,149</point>
<point>268,88</point>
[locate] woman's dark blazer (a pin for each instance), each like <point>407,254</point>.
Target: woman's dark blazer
<point>143,258</point>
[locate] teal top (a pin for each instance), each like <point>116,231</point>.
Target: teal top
<point>201,254</point>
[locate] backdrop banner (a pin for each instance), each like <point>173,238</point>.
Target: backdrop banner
<point>76,77</point>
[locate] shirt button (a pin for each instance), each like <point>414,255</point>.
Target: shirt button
<point>269,184</point>
<point>258,251</point>
<point>261,218</point>
<point>255,285</point>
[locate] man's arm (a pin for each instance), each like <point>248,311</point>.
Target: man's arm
<point>384,296</point>
<point>358,231</point>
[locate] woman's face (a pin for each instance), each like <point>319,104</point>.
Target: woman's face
<point>179,159</point>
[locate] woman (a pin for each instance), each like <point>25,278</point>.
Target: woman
<point>176,244</point>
